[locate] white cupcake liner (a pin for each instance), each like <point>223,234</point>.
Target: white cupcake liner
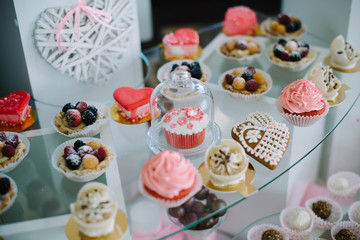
<point>291,66</point>
<point>244,97</point>
<point>58,152</point>
<point>246,60</point>
<point>255,232</point>
<point>285,223</point>
<point>169,203</point>
<point>354,212</point>
<point>13,165</point>
<point>92,129</point>
<point>301,121</point>
<point>335,216</point>
<point>354,185</point>
<point>14,197</point>
<point>163,72</point>
<point>355,228</point>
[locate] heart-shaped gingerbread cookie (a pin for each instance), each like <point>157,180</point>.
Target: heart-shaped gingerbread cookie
<point>263,138</point>
<point>98,53</point>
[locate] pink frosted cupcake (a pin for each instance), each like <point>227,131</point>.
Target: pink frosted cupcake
<point>240,20</point>
<point>301,103</point>
<point>185,128</point>
<point>169,178</point>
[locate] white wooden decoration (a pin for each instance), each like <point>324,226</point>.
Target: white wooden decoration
<point>98,52</point>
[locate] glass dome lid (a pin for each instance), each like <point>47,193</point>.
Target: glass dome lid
<point>182,116</point>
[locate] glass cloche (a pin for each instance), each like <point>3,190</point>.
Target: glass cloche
<point>182,116</point>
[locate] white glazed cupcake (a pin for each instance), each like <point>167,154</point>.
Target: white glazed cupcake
<point>227,163</point>
<point>94,210</point>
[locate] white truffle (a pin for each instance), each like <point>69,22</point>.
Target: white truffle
<point>299,220</point>
<point>339,184</point>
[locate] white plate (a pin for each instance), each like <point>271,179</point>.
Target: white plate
<point>163,73</point>
<point>243,97</point>
<point>247,59</point>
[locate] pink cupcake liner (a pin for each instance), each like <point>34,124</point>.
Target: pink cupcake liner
<point>184,141</point>
<point>255,232</point>
<point>354,185</point>
<point>355,228</point>
<point>301,121</point>
<point>293,233</point>
<point>335,216</point>
<point>174,203</point>
<point>354,212</point>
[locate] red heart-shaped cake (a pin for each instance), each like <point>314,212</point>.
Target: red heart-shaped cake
<point>14,108</point>
<point>263,138</point>
<point>133,104</point>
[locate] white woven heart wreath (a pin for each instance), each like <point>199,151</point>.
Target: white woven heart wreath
<point>95,54</point>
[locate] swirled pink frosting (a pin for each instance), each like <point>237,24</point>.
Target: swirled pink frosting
<point>301,96</point>
<point>167,173</point>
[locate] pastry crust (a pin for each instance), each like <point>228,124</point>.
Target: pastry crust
<point>261,88</point>
<point>19,152</point>
<point>6,199</point>
<point>81,171</point>
<point>61,124</point>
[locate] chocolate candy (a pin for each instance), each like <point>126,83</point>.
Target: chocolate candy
<point>271,234</point>
<point>188,204</point>
<point>202,194</point>
<point>218,204</point>
<point>188,219</point>
<point>177,212</point>
<point>322,209</point>
<point>198,208</point>
<point>345,234</point>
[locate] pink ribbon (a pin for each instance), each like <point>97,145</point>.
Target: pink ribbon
<point>100,16</point>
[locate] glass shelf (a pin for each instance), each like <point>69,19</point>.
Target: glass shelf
<point>129,141</point>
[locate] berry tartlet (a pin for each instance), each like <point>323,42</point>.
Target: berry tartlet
<point>84,119</point>
<point>197,70</point>
<point>284,26</point>
<point>8,192</point>
<point>245,83</point>
<point>82,159</point>
<point>13,149</point>
<point>292,55</point>
<point>241,49</point>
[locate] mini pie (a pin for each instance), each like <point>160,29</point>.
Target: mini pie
<point>8,191</point>
<point>239,48</point>
<point>20,149</point>
<point>89,167</point>
<point>263,138</point>
<point>63,125</point>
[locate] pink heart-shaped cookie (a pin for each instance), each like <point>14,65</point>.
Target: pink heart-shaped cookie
<point>263,138</point>
<point>131,98</point>
<point>14,108</point>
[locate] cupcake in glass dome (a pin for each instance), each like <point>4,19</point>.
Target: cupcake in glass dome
<point>301,103</point>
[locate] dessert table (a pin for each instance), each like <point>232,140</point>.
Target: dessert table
<point>42,206</point>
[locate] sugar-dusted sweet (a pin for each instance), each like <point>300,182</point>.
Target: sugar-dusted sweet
<point>14,108</point>
<point>342,54</point>
<point>181,44</point>
<point>133,104</point>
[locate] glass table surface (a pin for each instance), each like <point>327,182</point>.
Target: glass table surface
<point>44,193</point>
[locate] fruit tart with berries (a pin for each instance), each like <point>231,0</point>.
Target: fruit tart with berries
<point>8,191</point>
<point>241,48</point>
<point>82,159</point>
<point>82,119</point>
<point>283,25</point>
<point>196,69</point>
<point>245,83</point>
<point>13,148</point>
<point>291,54</point>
